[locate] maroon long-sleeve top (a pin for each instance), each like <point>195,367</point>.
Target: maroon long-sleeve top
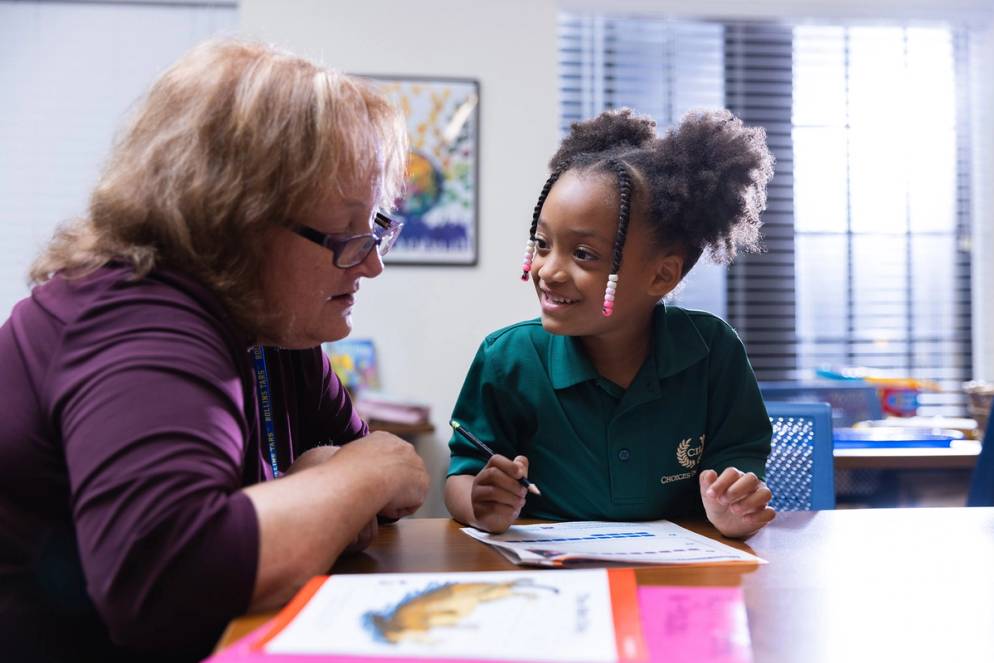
<point>131,424</point>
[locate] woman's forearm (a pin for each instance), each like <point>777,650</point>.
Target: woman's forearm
<point>306,520</point>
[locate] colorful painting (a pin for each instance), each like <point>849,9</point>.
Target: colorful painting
<point>439,208</point>
<point>354,360</point>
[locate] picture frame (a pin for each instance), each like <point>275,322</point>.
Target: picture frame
<point>440,207</point>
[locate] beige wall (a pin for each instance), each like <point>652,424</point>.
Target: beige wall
<point>428,321</point>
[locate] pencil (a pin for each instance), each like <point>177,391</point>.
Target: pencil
<point>472,439</point>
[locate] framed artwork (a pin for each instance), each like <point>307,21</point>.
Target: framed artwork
<point>441,202</point>
<point>354,360</point>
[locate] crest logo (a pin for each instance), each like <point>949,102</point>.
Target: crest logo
<point>688,454</point>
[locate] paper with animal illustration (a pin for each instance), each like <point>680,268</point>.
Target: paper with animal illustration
<point>656,542</point>
<point>505,616</point>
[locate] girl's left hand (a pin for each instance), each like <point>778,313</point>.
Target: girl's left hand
<point>736,503</point>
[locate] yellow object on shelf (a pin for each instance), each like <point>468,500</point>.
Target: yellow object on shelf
<point>904,383</point>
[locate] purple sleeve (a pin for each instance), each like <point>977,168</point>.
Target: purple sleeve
<point>332,417</point>
<point>151,408</point>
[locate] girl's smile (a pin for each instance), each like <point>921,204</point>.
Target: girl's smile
<point>552,302</point>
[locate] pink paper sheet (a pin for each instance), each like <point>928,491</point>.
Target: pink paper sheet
<point>680,625</point>
<point>695,624</point>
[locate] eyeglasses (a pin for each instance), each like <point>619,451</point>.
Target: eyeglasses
<point>351,250</point>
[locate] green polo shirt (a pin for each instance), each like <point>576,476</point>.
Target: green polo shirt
<point>600,452</point>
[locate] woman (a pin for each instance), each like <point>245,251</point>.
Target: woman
<point>237,210</point>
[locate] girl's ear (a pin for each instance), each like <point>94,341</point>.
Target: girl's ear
<point>666,274</point>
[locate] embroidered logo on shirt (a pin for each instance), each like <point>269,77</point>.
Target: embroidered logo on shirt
<point>688,455</point>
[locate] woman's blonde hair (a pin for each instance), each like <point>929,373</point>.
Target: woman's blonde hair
<point>234,137</point>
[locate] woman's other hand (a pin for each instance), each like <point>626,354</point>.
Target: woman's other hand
<point>403,479</point>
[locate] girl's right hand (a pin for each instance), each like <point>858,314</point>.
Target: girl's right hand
<point>399,472</point>
<point>496,495</point>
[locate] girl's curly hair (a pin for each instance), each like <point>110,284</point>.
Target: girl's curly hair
<point>702,186</point>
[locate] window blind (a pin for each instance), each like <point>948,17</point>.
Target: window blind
<point>867,259</point>
<point>882,203</point>
<point>661,68</point>
<point>762,294</point>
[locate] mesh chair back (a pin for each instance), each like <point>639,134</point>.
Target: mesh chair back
<point>799,470</point>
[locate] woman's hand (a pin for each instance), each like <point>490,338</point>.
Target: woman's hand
<point>363,538</point>
<point>312,457</point>
<point>326,505</point>
<point>400,474</point>
<point>496,495</point>
<point>736,502</point>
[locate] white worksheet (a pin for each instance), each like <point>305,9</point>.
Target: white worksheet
<point>656,542</point>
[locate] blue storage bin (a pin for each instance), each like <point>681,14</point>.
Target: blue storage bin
<point>885,437</point>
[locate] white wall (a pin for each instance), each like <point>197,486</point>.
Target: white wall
<point>428,321</point>
<point>68,74</point>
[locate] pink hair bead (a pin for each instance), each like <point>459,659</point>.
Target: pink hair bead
<point>612,285</point>
<point>526,263</point>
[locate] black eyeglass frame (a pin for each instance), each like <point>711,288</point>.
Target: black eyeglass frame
<point>383,237</point>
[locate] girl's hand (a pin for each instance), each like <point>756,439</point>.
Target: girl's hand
<point>736,503</point>
<point>496,495</point>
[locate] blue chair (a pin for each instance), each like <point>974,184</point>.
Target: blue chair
<point>851,400</point>
<point>982,483</point>
<point>800,469</point>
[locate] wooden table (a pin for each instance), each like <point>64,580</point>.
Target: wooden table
<point>875,585</point>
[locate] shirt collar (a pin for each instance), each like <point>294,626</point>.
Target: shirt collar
<point>568,362</point>
<point>677,345</point>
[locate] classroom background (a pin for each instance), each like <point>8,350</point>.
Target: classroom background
<point>880,227</point>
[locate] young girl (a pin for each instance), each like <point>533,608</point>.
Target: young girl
<point>616,406</point>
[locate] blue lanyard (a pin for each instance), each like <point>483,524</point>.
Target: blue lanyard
<point>266,405</point>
